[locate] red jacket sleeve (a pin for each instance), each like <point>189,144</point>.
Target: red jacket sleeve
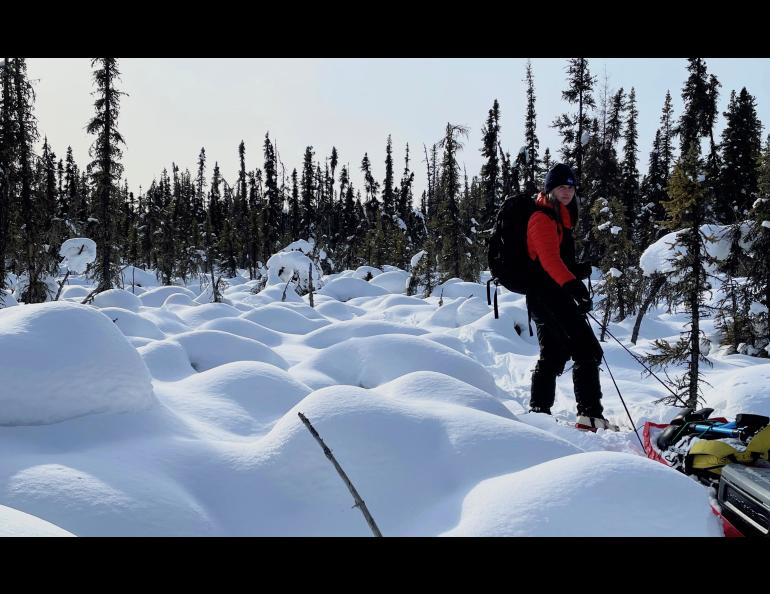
<point>543,244</point>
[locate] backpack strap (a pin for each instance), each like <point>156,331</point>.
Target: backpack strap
<point>529,320</point>
<point>489,297</point>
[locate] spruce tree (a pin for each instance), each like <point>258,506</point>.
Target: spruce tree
<point>272,217</point>
<point>30,249</point>
<point>740,147</point>
<point>572,126</point>
<point>105,167</point>
<point>388,193</point>
<point>531,141</point>
<point>667,136</point>
<point>307,208</point>
<point>630,175</point>
<point>490,169</point>
<point>7,146</point>
<point>758,280</point>
<point>449,228</point>
<point>686,211</point>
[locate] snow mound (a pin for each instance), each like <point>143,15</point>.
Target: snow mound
<point>179,299</point>
<point>454,288</point>
<point>118,298</point>
<point>108,496</point>
<point>429,385</point>
<point>282,319</point>
<point>335,333</point>
<point>387,301</point>
<point>78,292</point>
<point>166,320</point>
<point>132,324</point>
<point>167,361</point>
<point>244,397</point>
<point>78,253</point>
<point>284,265</point>
<point>303,309</point>
<point>245,328</point>
<point>363,271</point>
<point>63,360</point>
<point>155,297</point>
<point>210,348</point>
<point>344,289</point>
<point>369,362</point>
<point>199,314</point>
<point>413,468</point>
<point>393,281</point>
<point>745,390</point>
<point>444,316</point>
<point>131,275</point>
<point>337,310</point>
<point>589,494</point>
<point>272,294</point>
<point>16,523</point>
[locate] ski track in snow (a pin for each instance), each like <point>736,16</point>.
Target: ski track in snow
<point>156,414</point>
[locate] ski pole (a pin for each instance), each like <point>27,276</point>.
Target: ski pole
<point>638,360</point>
<point>607,365</point>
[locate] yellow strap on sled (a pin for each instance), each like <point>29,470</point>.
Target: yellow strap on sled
<point>712,454</point>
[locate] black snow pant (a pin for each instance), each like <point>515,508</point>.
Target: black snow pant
<point>563,333</point>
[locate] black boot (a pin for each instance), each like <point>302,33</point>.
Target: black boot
<point>543,391</point>
<point>588,391</point>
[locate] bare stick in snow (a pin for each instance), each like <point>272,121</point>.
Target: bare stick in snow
<point>359,502</point>
<point>61,285</point>
<point>90,296</point>
<point>310,284</point>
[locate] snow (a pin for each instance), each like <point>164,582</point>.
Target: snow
<point>393,282</point>
<point>209,348</point>
<point>138,277</point>
<point>16,523</point>
<point>62,360</point>
<point>766,224</point>
<point>587,494</point>
<point>454,288</point>
<point>615,229</point>
<point>369,362</point>
<point>604,226</point>
<point>363,271</point>
<point>347,288</point>
<point>302,245</point>
<point>162,413</point>
<point>284,265</point>
<point>7,299</point>
<point>615,273</point>
<point>78,253</point>
<point>282,319</point>
<point>118,298</point>
<point>659,255</point>
<point>757,308</point>
<point>416,258</point>
<point>155,297</point>
<point>132,324</point>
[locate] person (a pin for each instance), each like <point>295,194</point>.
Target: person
<point>558,302</point>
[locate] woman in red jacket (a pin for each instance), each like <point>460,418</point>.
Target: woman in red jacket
<point>559,301</point>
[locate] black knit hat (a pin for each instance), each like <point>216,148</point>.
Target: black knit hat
<point>559,175</point>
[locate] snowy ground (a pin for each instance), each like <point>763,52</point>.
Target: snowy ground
<point>157,413</point>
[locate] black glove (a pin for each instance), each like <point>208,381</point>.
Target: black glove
<point>582,270</point>
<point>577,290</point>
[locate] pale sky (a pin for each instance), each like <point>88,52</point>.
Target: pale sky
<point>176,106</point>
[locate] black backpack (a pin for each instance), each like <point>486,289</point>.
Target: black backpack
<point>507,255</point>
